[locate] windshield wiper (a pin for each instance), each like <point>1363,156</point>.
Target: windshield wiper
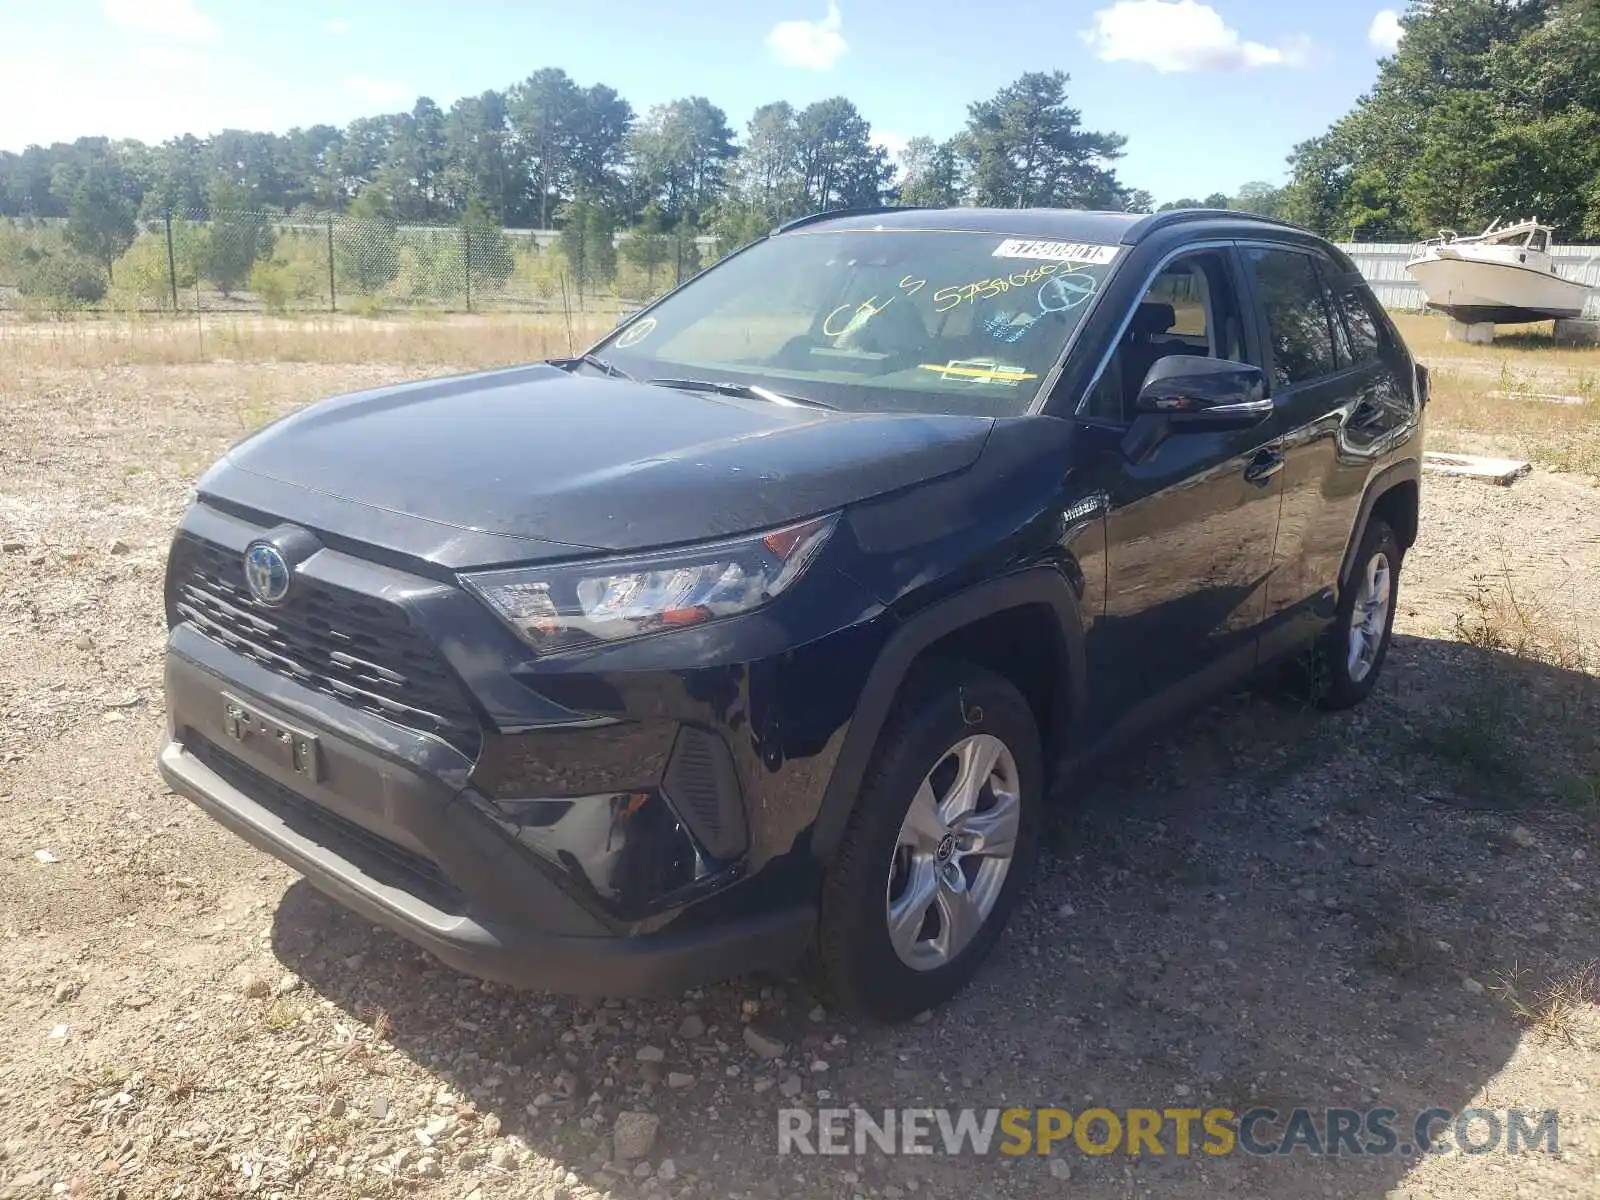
<point>599,364</point>
<point>747,391</point>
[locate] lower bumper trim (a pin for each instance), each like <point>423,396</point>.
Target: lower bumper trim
<point>654,964</point>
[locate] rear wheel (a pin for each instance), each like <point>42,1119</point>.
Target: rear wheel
<point>1353,650</point>
<point>938,848</point>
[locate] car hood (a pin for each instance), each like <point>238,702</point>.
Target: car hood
<point>533,463</point>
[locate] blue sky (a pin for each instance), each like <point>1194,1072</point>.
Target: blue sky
<point>1210,95</point>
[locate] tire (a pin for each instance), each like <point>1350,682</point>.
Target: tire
<point>1342,676</point>
<point>947,718</point>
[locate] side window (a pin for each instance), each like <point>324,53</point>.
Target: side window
<point>1297,318</point>
<point>1183,286</point>
<point>1355,303</point>
<point>1189,309</point>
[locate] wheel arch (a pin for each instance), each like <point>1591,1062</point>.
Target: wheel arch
<point>992,625</point>
<point>1393,495</point>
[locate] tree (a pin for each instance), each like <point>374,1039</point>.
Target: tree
<point>544,112</point>
<point>930,174</point>
<point>1368,206</point>
<point>600,247</point>
<point>1025,146</point>
<point>483,157</point>
<point>680,154</point>
<point>310,157</point>
<point>600,143</point>
<point>646,247</point>
<point>1137,200</point>
<point>488,255</point>
<point>416,161</point>
<point>768,183</point>
<point>575,241</point>
<point>365,253</point>
<point>1452,178</point>
<point>180,169</point>
<point>1186,202</point>
<point>252,161</point>
<point>685,251</point>
<point>100,222</point>
<point>61,279</point>
<point>1488,108</point>
<point>1261,198</point>
<point>362,153</point>
<point>839,166</point>
<point>239,236</point>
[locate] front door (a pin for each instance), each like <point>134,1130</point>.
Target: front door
<point>1190,523</point>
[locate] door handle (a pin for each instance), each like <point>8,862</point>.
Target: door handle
<point>1263,467</point>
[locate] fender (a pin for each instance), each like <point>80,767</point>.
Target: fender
<point>1035,585</point>
<point>1408,470</point>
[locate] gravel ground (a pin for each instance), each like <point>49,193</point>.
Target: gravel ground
<point>1268,907</point>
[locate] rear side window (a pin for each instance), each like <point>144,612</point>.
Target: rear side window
<point>1297,317</point>
<point>1355,303</point>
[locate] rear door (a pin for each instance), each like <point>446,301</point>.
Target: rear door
<point>1327,383</point>
<point>1190,522</point>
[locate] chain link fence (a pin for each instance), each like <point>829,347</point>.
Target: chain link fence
<point>249,261</point>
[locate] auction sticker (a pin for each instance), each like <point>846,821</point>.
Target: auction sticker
<point>1073,252</point>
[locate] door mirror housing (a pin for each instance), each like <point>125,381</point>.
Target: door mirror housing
<point>1204,393</point>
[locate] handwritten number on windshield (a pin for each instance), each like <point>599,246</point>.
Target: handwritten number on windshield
<point>947,298</point>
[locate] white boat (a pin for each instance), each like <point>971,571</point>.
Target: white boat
<point>1504,274</point>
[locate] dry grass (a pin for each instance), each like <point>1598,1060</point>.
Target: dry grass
<point>1501,620</point>
<point>1425,334</point>
<point>1523,720</point>
<point>486,341</point>
<point>1523,396</point>
<point>1554,1009</point>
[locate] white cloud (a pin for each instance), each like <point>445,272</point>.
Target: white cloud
<point>135,95</point>
<point>1182,35</point>
<point>168,18</point>
<point>1385,32</point>
<point>337,26</point>
<point>377,91</point>
<point>164,58</point>
<point>894,143</point>
<point>810,45</point>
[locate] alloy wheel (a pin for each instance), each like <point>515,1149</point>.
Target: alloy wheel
<point>1369,617</point>
<point>953,852</point>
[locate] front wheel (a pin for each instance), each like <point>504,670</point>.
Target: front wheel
<point>938,848</point>
<point>1352,651</point>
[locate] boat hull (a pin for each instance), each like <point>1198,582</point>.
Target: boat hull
<point>1504,293</point>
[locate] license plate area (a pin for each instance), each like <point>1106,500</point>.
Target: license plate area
<point>267,738</point>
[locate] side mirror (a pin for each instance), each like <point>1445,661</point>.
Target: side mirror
<point>1204,393</point>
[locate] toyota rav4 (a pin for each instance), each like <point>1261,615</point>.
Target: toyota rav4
<point>760,633</point>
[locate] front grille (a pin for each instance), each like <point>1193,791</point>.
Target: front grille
<point>377,856</point>
<point>356,648</point>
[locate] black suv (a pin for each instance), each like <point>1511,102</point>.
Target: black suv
<point>762,631</point>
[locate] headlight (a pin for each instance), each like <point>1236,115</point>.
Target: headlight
<point>576,604</point>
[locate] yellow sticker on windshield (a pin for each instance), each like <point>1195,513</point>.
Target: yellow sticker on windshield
<point>978,371</point>
<point>1074,252</point>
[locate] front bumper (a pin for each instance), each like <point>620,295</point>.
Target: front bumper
<point>409,848</point>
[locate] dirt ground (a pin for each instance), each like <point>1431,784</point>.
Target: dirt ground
<point>1391,907</point>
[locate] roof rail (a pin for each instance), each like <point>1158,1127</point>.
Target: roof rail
<point>1178,216</point>
<point>829,214</point>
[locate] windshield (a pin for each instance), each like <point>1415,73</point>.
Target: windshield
<point>874,320</point>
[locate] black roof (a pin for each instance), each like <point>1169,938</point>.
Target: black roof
<point>1066,224</point>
